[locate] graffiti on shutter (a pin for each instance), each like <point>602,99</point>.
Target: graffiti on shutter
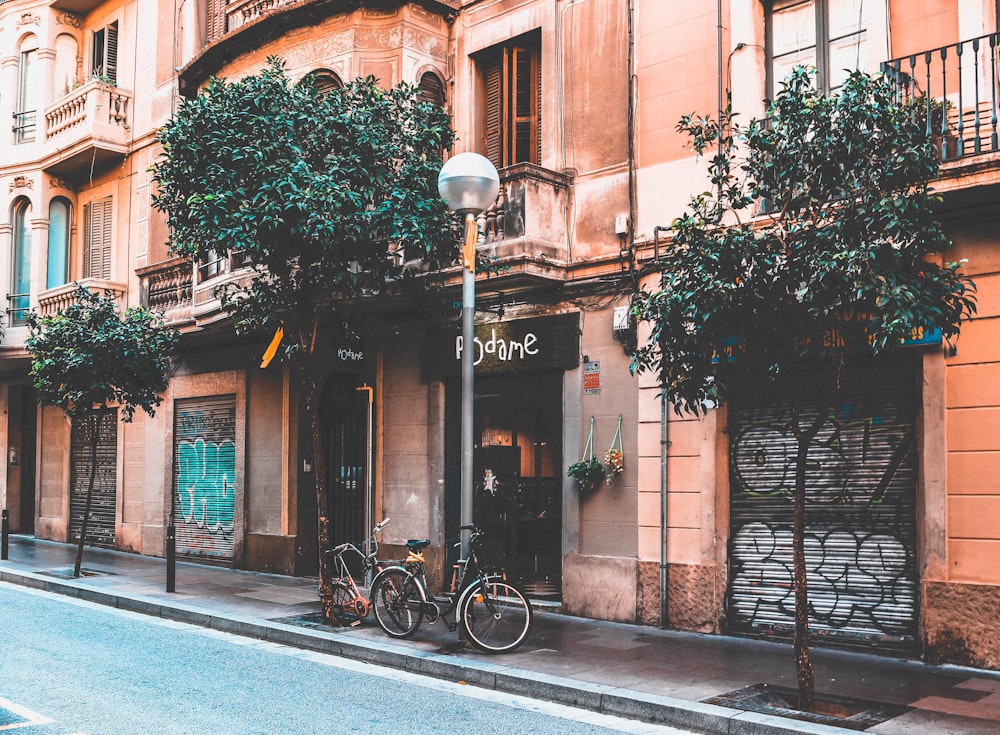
<point>205,476</point>
<point>101,524</point>
<point>860,519</point>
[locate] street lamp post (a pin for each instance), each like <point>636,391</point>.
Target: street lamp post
<point>470,184</point>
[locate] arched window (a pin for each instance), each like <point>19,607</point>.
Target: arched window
<point>58,253</point>
<point>325,81</point>
<point>20,292</point>
<point>432,89</point>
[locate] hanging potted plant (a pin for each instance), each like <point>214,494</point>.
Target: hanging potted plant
<point>614,458</point>
<point>588,472</point>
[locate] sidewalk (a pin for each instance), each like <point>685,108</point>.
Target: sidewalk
<point>626,670</point>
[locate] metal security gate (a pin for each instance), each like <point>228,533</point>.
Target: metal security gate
<point>205,476</point>
<point>101,525</point>
<point>860,516</point>
<point>345,425</point>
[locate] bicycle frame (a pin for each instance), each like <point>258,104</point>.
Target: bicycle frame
<point>356,603</point>
<point>453,599</point>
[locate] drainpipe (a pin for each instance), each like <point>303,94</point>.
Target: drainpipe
<point>664,567</point>
<point>664,445</point>
<point>718,10</point>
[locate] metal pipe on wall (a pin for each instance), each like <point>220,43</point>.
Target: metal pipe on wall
<point>664,563</point>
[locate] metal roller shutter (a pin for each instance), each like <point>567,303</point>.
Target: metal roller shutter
<point>860,518</point>
<point>205,476</point>
<point>101,525</point>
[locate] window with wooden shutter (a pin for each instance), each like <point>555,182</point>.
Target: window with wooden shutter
<point>432,89</point>
<point>326,81</point>
<point>513,101</point>
<point>97,239</point>
<point>104,53</point>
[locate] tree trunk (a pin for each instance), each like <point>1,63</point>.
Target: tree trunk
<point>94,423</point>
<point>322,500</point>
<point>803,663</point>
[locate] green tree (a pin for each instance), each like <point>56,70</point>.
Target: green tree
<point>89,358</point>
<point>819,243</point>
<point>331,197</point>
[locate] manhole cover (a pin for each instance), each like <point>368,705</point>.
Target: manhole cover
<point>855,714</point>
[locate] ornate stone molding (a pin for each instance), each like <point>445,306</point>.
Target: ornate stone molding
<point>28,19</point>
<point>57,183</point>
<point>21,182</point>
<point>68,19</point>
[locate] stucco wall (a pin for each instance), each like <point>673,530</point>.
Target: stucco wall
<point>960,624</point>
<point>600,587</point>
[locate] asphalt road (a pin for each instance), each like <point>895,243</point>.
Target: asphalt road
<point>69,667</point>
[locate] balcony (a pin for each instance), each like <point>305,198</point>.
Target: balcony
<point>956,94</point>
<point>232,14</point>
<point>88,129</point>
<point>167,288</point>
<point>525,229</point>
<point>56,300</point>
<point>183,293</point>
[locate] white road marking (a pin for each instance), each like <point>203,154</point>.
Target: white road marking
<point>30,718</point>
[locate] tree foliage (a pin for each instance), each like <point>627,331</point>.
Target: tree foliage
<point>332,198</point>
<point>819,245</point>
<point>88,356</point>
<point>819,242</point>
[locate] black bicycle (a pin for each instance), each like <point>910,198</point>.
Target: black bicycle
<point>491,611</point>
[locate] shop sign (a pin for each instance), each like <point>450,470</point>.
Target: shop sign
<point>351,355</point>
<point>498,348</point>
<point>833,338</point>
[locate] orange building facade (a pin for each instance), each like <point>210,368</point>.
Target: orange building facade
<point>575,101</point>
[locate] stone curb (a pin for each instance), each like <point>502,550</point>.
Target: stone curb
<point>652,708</point>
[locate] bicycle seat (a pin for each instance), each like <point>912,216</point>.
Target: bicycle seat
<point>414,544</point>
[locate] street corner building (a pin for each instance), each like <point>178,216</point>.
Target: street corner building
<point>575,104</point>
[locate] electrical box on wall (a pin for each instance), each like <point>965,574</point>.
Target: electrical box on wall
<point>621,224</point>
<point>623,328</point>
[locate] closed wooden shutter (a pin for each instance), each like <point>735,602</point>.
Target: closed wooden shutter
<point>216,19</point>
<point>432,89</point>
<point>111,55</point>
<point>513,106</point>
<point>493,143</point>
<point>204,496</point>
<point>326,82</point>
<point>860,517</point>
<point>103,505</point>
<point>97,239</point>
<point>524,105</point>
<point>537,72</point>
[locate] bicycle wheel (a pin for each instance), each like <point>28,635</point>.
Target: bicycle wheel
<point>342,602</point>
<point>396,602</point>
<point>496,616</point>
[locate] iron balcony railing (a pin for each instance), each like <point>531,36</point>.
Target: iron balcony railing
<point>954,91</point>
